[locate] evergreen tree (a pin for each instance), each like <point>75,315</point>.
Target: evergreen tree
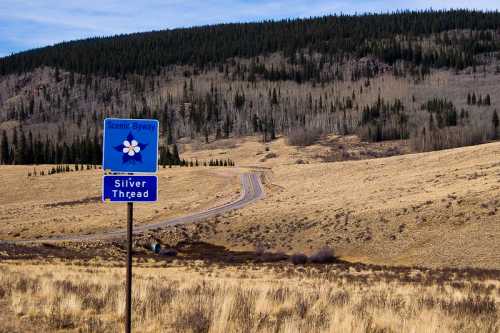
<point>14,146</point>
<point>29,155</point>
<point>487,100</point>
<point>4,150</point>
<point>274,98</point>
<point>57,76</point>
<point>21,147</point>
<point>496,122</point>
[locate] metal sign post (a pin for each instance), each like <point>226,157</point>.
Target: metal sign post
<point>128,297</point>
<point>130,146</point>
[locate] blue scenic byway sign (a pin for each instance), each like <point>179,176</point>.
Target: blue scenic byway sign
<point>130,145</point>
<point>130,188</point>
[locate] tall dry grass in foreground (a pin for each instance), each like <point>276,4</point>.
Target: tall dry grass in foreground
<point>280,298</point>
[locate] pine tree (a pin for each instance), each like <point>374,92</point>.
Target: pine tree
<point>496,122</point>
<point>274,98</point>
<point>487,100</point>
<point>4,150</point>
<point>168,157</point>
<point>176,158</point>
<point>21,147</point>
<point>29,155</point>
<point>57,76</point>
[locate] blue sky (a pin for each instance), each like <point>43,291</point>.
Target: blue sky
<point>26,24</point>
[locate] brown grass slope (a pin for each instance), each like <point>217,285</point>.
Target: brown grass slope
<point>431,209</point>
<point>70,203</point>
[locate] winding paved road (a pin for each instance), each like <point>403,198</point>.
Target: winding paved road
<point>252,191</point>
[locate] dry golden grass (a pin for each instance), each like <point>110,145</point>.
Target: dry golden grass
<point>437,209</point>
<point>252,152</point>
<point>248,152</point>
<point>70,203</point>
<point>432,209</point>
<point>195,297</point>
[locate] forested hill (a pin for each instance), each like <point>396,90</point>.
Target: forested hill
<point>386,36</point>
<point>428,80</point>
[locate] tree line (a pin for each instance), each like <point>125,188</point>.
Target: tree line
<point>63,168</point>
<point>26,150</point>
<point>479,101</point>
<point>333,36</point>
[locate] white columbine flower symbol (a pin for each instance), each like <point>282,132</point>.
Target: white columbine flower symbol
<point>131,147</point>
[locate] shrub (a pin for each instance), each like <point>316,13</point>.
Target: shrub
<point>299,259</point>
<point>271,155</point>
<point>323,256</point>
<point>260,249</point>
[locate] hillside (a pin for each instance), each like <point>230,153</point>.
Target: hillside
<point>427,77</point>
<point>70,203</point>
<point>332,36</point>
<point>431,209</point>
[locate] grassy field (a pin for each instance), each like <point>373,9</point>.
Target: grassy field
<point>437,209</point>
<point>194,296</point>
<point>424,228</point>
<point>70,203</point>
<point>432,209</point>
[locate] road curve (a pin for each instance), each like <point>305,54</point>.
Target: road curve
<point>252,191</point>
